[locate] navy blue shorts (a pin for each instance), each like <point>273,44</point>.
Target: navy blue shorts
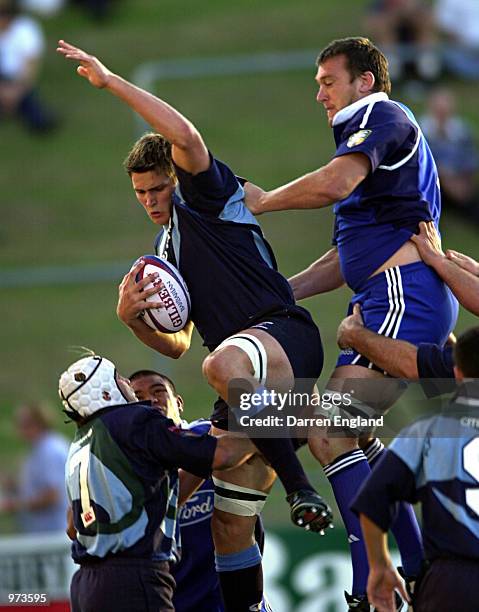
<point>405,302</point>
<point>449,585</point>
<point>122,585</point>
<point>300,339</point>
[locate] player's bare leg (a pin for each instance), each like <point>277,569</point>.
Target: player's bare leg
<point>240,495</point>
<point>229,362</point>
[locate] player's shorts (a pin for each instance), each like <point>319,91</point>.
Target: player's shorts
<point>300,339</point>
<point>449,585</point>
<point>405,302</point>
<point>122,585</point>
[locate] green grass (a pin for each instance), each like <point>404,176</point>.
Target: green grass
<point>65,199</point>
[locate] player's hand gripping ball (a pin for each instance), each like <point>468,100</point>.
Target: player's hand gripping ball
<point>173,293</point>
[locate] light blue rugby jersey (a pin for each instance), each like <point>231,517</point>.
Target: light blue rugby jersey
<point>442,453</point>
<point>402,189</point>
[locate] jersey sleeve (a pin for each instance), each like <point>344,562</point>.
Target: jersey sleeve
<point>208,192</point>
<point>435,366</point>
<point>434,361</point>
<point>173,447</point>
<point>391,481</point>
<point>386,138</point>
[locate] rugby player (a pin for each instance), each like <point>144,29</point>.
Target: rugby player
<point>243,309</point>
<point>122,485</point>
<point>434,462</point>
<point>383,181</point>
<point>197,586</point>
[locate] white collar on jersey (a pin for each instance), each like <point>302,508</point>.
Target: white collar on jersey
<point>348,111</point>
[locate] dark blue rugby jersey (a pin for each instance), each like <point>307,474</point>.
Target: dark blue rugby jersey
<point>122,482</point>
<point>220,250</point>
<point>402,189</point>
<point>434,461</point>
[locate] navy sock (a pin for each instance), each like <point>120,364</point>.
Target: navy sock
<point>405,528</point>
<point>241,579</point>
<point>279,452</point>
<point>346,473</point>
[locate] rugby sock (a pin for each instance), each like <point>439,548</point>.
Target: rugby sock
<point>241,579</point>
<point>405,527</point>
<point>280,453</point>
<point>346,473</point>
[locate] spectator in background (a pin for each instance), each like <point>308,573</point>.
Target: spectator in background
<point>405,31</point>
<point>452,145</point>
<point>458,20</point>
<point>39,498</point>
<point>21,49</point>
<point>43,8</point>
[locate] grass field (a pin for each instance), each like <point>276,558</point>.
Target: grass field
<point>66,201</point>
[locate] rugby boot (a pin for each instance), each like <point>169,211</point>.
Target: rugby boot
<point>310,511</point>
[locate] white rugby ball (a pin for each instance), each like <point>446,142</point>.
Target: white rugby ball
<point>174,295</point>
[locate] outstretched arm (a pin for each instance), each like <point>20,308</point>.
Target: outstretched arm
<point>320,188</point>
<point>321,276</point>
<point>458,271</point>
<point>188,149</point>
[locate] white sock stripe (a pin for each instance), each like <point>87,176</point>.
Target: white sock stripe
<point>357,455</point>
<point>374,454</point>
<point>335,469</point>
<point>354,453</point>
<point>374,450</point>
<point>373,445</point>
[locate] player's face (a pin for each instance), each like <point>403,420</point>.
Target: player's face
<point>336,89</point>
<point>155,389</point>
<point>153,191</point>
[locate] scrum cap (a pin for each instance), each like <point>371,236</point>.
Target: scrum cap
<point>89,385</point>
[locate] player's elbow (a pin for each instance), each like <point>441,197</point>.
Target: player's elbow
<point>338,189</point>
<point>188,137</point>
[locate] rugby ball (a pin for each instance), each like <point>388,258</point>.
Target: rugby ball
<point>174,295</point>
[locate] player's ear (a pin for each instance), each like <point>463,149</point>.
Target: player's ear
<point>180,403</point>
<point>367,82</point>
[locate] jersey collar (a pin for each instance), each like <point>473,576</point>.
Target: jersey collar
<point>347,112</point>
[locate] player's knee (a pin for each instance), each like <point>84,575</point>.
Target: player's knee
<point>216,370</point>
<point>327,449</point>
<point>319,448</point>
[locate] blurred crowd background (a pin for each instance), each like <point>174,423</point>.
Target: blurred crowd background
<point>70,226</point>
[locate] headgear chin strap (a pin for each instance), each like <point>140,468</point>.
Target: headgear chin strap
<point>89,385</point>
